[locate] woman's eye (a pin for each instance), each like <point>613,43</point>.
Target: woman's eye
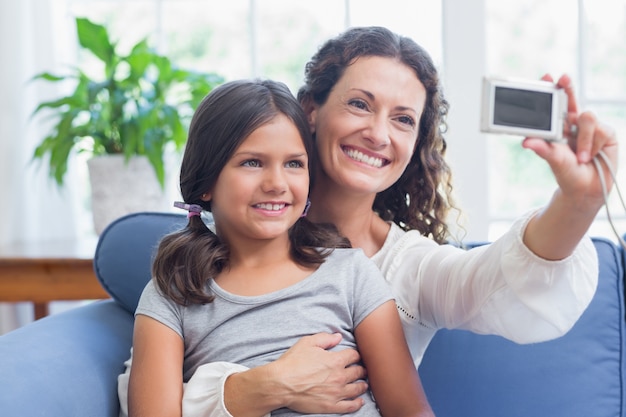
<point>295,164</point>
<point>252,163</point>
<point>406,120</point>
<point>359,104</point>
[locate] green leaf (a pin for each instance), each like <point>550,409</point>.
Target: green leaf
<point>130,138</point>
<point>139,59</point>
<point>155,156</point>
<point>95,38</point>
<point>58,146</point>
<point>54,103</point>
<point>49,77</point>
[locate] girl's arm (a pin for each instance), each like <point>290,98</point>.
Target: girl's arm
<point>393,379</point>
<point>156,378</point>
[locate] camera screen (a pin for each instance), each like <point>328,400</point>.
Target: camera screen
<point>522,108</point>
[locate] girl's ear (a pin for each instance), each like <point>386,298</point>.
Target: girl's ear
<point>206,197</point>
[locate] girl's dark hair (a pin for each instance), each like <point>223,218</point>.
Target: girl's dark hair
<point>421,198</point>
<point>187,259</point>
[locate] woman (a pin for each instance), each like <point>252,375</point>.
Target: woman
<point>375,106</point>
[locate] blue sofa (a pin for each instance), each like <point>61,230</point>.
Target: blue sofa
<point>67,364</point>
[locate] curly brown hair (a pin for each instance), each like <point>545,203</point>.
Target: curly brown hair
<point>421,198</point>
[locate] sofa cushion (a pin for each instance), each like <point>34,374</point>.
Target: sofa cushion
<point>125,250</point>
<point>579,374</point>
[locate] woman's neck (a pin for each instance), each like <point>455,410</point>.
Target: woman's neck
<point>351,213</point>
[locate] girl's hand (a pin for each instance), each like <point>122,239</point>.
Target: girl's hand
<point>572,163</point>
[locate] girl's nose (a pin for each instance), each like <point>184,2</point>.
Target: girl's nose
<point>274,180</point>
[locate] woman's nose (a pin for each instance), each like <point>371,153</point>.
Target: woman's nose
<point>378,132</point>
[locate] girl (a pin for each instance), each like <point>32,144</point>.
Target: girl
<point>267,276</point>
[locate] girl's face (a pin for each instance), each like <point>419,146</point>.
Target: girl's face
<point>262,190</point>
<point>367,130</point>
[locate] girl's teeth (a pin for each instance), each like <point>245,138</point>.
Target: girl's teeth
<point>361,157</point>
<point>273,207</point>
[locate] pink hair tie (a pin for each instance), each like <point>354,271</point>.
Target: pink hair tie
<point>193,209</point>
<point>307,206</point>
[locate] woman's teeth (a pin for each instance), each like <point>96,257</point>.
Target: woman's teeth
<point>361,157</point>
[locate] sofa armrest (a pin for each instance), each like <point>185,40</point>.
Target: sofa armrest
<point>66,364</point>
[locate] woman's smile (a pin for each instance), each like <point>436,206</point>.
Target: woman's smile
<point>365,158</point>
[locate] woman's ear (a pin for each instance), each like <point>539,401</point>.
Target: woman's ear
<point>310,109</point>
<point>206,196</point>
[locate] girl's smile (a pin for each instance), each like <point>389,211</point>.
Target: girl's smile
<point>271,208</point>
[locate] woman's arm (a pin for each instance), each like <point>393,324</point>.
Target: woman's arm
<point>156,377</point>
<point>307,378</point>
<point>393,378</point>
<point>556,230</point>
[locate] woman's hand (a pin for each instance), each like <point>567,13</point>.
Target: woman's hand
<point>321,381</point>
<point>572,165</point>
<point>308,378</point>
<point>555,232</point>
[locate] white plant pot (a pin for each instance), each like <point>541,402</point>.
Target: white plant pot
<point>120,187</point>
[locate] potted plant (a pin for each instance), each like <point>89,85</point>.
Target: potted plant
<point>137,108</point>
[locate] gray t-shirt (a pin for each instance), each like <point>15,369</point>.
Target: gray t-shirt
<point>253,331</point>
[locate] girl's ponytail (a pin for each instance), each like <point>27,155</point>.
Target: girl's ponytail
<point>187,259</point>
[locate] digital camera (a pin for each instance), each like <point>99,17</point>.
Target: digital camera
<point>524,108</point>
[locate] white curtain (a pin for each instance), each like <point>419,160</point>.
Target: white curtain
<point>35,36</point>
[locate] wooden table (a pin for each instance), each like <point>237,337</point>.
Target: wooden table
<point>49,271</point>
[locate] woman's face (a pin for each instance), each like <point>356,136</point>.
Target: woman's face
<point>367,130</point>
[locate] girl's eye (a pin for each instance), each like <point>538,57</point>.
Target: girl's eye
<point>295,164</point>
<point>406,120</point>
<point>358,103</point>
<point>252,163</point>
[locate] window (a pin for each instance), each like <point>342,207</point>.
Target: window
<point>247,38</point>
<point>528,38</point>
